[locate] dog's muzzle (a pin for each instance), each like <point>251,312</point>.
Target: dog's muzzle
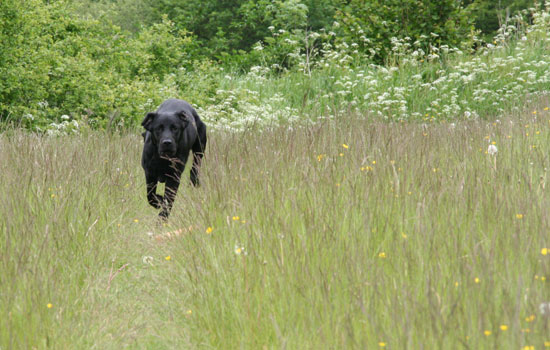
<point>167,148</point>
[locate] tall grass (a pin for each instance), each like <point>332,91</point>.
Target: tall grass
<point>344,234</point>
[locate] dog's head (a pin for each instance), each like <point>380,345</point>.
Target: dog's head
<point>166,130</point>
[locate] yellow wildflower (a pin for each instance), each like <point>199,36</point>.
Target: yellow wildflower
<point>544,251</point>
<point>382,255</point>
<point>345,146</point>
<point>487,333</point>
<point>209,230</point>
<point>49,306</point>
<point>239,250</point>
<point>168,258</point>
<point>504,328</point>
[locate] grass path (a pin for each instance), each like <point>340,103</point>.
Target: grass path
<point>355,234</point>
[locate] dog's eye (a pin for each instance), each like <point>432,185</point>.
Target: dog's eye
<point>173,128</point>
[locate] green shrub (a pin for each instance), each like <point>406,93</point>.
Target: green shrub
<point>54,64</point>
<point>372,24</point>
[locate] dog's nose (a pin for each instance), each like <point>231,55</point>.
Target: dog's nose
<point>167,142</point>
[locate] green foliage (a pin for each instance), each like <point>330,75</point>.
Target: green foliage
<point>130,15</point>
<point>372,24</point>
<point>491,15</point>
<point>219,25</point>
<point>60,71</point>
<point>445,84</point>
<point>158,50</point>
<point>226,28</point>
<point>57,65</point>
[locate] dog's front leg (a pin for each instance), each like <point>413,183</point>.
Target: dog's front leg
<point>198,152</point>
<point>172,185</point>
<point>197,159</point>
<point>152,197</point>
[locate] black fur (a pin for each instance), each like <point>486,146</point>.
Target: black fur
<point>171,132</point>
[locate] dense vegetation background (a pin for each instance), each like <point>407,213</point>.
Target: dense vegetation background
<point>104,63</point>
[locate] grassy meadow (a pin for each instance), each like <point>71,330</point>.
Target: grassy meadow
<point>348,233</point>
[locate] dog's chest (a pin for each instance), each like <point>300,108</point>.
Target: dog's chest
<point>161,168</point>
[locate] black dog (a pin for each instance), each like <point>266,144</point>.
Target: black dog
<point>171,132</point>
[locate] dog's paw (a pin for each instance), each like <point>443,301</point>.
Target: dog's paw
<point>163,215</point>
<point>195,181</point>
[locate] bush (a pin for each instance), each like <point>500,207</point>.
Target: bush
<point>54,64</point>
<point>373,24</point>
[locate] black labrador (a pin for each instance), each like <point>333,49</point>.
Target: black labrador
<point>171,132</point>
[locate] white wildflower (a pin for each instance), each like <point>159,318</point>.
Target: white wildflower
<point>544,309</point>
<point>147,260</point>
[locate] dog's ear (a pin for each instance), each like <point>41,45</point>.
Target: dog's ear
<point>148,120</point>
<point>184,117</point>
